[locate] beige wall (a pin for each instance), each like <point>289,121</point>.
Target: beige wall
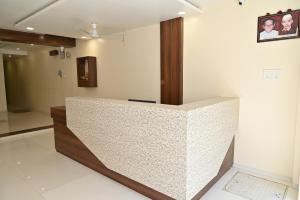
<point>14,69</point>
<point>41,86</point>
<point>129,69</point>
<point>296,168</point>
<point>221,57</point>
<point>125,70</point>
<point>2,87</point>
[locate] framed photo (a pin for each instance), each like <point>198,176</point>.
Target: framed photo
<point>278,26</point>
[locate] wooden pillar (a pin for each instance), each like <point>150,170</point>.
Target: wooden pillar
<point>171,46</point>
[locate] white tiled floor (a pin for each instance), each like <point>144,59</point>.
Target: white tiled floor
<point>30,169</point>
<point>10,122</point>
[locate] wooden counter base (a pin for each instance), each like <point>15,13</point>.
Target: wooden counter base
<point>69,145</point>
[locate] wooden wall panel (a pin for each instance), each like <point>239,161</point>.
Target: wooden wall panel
<point>38,39</point>
<point>171,45</point>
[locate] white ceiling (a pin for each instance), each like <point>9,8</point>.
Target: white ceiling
<point>67,17</point>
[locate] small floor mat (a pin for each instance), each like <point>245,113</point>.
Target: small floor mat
<point>254,188</point>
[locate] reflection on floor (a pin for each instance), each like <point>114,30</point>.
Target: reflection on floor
<point>13,122</point>
<point>31,169</point>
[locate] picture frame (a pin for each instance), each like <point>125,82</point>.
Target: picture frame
<point>280,26</point>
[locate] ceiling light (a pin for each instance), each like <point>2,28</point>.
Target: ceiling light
<point>31,44</point>
<point>83,37</point>
<point>18,49</point>
<point>30,28</point>
<point>181,13</point>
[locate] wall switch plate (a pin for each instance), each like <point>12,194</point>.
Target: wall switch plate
<point>271,74</point>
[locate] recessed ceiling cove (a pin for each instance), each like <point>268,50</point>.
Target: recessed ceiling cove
<point>70,17</point>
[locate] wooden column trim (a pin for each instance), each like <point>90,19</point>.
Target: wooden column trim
<point>171,48</point>
<point>38,39</point>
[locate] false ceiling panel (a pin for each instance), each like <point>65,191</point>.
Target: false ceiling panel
<point>68,17</point>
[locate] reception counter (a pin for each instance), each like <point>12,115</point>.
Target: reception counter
<point>161,151</point>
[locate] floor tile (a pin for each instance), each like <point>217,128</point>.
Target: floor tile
<point>22,150</point>
<point>45,139</point>
<point>13,187</point>
<point>23,121</point>
<point>31,169</point>
<point>93,187</point>
<point>215,194</point>
<point>51,171</point>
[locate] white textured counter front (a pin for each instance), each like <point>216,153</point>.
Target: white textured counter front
<point>175,150</point>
